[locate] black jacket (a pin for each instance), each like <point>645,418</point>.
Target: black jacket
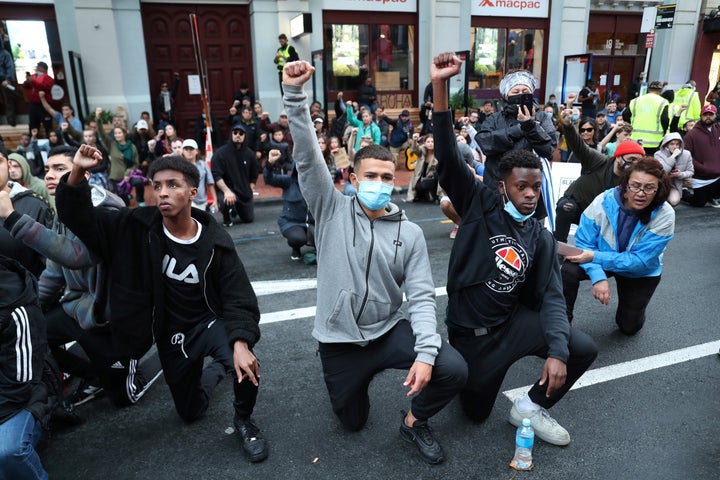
<point>131,242</point>
<point>472,260</point>
<point>23,345</point>
<point>237,167</point>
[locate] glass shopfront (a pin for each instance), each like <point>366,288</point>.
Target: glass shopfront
<point>499,45</point>
<point>382,46</point>
<point>618,52</point>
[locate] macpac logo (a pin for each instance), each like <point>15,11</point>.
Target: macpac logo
<point>516,4</point>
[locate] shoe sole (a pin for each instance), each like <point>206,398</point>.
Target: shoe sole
<point>553,441</point>
<point>256,458</point>
<point>410,438</point>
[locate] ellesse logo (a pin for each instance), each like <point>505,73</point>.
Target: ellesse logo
<point>511,262</point>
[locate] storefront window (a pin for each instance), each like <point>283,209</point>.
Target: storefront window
<point>496,51</point>
<point>383,51</point>
<point>29,45</point>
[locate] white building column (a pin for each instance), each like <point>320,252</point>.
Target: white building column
<point>568,34</point>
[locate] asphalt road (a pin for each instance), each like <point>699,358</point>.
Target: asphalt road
<point>661,423</point>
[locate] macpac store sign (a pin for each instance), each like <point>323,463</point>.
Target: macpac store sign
<point>510,8</point>
<point>372,5</point>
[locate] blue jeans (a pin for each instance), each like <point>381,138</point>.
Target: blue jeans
<point>18,438</point>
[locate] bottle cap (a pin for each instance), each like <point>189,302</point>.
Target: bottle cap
<point>526,422</point>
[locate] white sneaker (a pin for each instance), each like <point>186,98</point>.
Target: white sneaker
<point>546,428</point>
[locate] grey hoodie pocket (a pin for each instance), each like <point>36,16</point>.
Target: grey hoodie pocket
<point>341,322</point>
<point>374,312</point>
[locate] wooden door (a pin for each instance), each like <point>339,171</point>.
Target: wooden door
<point>225,43</point>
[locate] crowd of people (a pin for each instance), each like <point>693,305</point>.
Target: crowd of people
<point>67,235</point>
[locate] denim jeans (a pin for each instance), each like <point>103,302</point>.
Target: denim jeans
<point>18,438</point>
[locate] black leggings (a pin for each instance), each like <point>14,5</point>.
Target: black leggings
<point>244,210</point>
<point>634,295</point>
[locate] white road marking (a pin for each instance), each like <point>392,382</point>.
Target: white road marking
<point>282,286</point>
<point>297,313</point>
<point>633,367</point>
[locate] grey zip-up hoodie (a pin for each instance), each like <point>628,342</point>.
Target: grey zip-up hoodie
<point>363,266</point>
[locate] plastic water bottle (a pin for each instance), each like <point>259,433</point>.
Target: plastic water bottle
<point>524,440</point>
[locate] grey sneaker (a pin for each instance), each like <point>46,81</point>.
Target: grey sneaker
<point>715,203</point>
<point>546,428</point>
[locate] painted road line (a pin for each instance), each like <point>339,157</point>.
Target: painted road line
<point>297,313</point>
<point>282,286</point>
<point>633,367</point>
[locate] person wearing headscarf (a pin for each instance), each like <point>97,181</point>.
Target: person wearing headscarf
<point>515,127</point>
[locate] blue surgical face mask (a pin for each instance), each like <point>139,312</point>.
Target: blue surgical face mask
<point>374,195</point>
<point>548,115</point>
<point>575,118</point>
<point>513,211</point>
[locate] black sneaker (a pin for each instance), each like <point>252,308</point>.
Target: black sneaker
<point>253,442</point>
<point>421,435</point>
<point>296,254</point>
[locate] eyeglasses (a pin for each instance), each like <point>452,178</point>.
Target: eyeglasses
<point>238,132</point>
<point>583,130</point>
<point>647,189</point>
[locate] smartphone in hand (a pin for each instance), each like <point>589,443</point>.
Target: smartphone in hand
<point>526,99</point>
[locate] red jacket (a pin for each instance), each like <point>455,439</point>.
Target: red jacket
<point>704,145</point>
<point>36,83</point>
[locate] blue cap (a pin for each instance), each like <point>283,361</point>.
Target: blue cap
<point>239,126</point>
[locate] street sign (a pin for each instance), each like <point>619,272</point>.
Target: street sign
<point>650,40</point>
<point>665,16</point>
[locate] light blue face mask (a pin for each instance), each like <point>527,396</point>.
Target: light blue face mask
<point>374,195</point>
<point>575,118</point>
<point>513,211</point>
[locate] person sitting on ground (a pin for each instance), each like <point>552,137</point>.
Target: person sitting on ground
<point>598,173</point>
<point>98,175</point>
<point>20,173</point>
<point>73,293</point>
<point>281,124</point>
<point>164,139</point>
<point>623,234</point>
<point>190,152</point>
<point>235,171</point>
<point>677,163</point>
<point>275,142</point>
<point>588,129</point>
<point>190,292</point>
<point>358,340</point>
<point>123,157</point>
<point>401,134</point>
<point>28,386</point>
<point>423,185</point>
<point>296,222</point>
<point>25,202</point>
<point>515,128</point>
<point>340,157</point>
<point>65,115</point>
<point>31,152</point>
<point>504,292</point>
<point>365,127</point>
<point>619,132</point>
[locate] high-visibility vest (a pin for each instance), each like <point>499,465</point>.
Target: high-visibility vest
<point>284,52</point>
<point>646,111</point>
<point>687,96</point>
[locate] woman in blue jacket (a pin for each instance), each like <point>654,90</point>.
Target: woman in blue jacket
<point>623,233</point>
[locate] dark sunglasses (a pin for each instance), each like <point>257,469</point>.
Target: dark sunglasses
<point>238,132</point>
<point>583,130</point>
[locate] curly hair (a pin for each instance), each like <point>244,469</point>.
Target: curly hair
<point>179,164</point>
<point>653,167</point>
<point>517,159</point>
